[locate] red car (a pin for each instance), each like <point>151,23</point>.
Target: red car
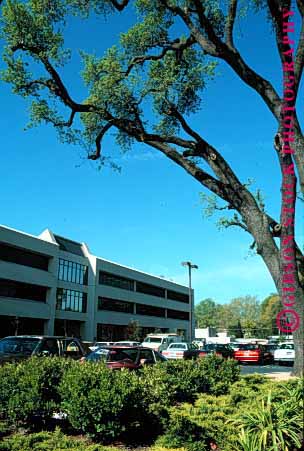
<point>118,357</point>
<point>221,350</point>
<point>253,353</point>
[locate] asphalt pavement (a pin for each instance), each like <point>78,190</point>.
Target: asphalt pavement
<point>272,371</point>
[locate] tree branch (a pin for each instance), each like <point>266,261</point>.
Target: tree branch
<point>55,84</point>
<point>67,123</point>
<point>300,5</point>
<point>98,140</point>
<point>176,46</point>
<point>203,149</point>
<point>213,45</point>
<point>119,6</point>
<point>299,59</point>
<point>224,191</point>
<point>230,23</point>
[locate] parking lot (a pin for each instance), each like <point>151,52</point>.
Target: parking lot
<point>272,371</point>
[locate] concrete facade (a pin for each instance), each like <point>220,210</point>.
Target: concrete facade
<point>52,285</point>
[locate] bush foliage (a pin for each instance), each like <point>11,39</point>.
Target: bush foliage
<point>29,390</point>
<point>182,404</point>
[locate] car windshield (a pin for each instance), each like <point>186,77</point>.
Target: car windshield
<point>16,345</point>
<point>153,340</point>
<point>287,346</point>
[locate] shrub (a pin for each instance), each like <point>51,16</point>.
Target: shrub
<point>30,389</point>
<point>269,424</point>
<point>182,380</point>
<point>181,431</point>
<point>216,375</point>
<point>102,402</point>
<point>7,386</point>
<point>49,441</point>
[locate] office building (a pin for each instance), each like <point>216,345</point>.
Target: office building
<point>53,285</point>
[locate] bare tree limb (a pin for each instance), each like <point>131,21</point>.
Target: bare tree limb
<point>235,223</point>
<point>67,123</point>
<point>103,131</point>
<point>224,191</point>
<point>204,150</point>
<point>230,23</point>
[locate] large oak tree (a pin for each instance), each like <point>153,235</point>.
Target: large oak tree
<point>155,65</point>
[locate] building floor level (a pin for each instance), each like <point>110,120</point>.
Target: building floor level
<point>53,285</point>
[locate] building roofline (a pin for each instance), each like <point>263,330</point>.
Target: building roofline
<point>83,244</point>
<point>139,271</point>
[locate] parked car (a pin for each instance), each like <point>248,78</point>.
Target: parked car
<point>285,353</point>
<point>221,350</point>
<point>99,344</point>
<point>181,351</point>
<point>21,347</point>
<point>160,342</point>
<point>271,347</point>
<point>126,343</point>
<point>119,357</point>
<point>253,353</point>
<point>235,346</point>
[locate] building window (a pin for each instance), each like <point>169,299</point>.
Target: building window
<point>175,296</point>
<point>116,281</point>
<point>20,290</point>
<point>71,300</point>
<point>23,257</point>
<point>114,305</point>
<point>150,289</point>
<point>177,314</point>
<point>72,272</point>
<point>149,310</point>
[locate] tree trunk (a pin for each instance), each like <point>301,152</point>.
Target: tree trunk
<point>298,335</point>
<point>258,225</point>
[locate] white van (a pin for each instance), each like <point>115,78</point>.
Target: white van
<point>159,342</point>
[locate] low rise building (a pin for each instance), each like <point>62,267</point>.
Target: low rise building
<point>53,285</point>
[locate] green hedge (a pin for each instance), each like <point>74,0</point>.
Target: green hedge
<point>224,417</point>
<point>103,403</point>
<point>49,441</point>
<point>29,390</point>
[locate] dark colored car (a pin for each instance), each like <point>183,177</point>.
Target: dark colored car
<point>20,347</point>
<point>218,349</point>
<point>253,353</point>
<point>271,348</point>
<point>118,357</point>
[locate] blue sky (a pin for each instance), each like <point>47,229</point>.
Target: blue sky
<point>149,216</point>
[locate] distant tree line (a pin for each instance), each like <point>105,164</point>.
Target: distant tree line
<point>242,317</point>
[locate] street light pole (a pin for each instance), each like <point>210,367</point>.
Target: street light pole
<point>190,267</point>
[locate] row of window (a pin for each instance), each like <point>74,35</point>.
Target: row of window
<point>72,272</point>
<point>124,283</point>
<point>20,290</point>
<point>23,257</point>
<point>115,305</point>
<point>71,300</point>
<point>69,271</point>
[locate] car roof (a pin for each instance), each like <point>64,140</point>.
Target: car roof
<point>40,336</point>
<point>124,347</point>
